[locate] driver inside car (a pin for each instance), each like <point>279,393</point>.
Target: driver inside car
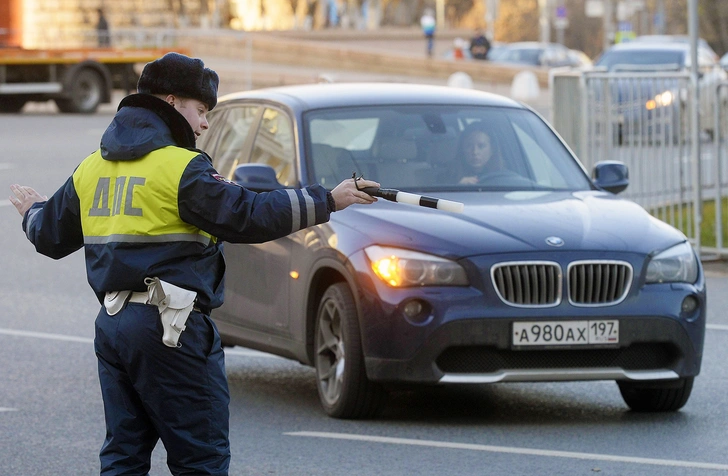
<point>478,153</point>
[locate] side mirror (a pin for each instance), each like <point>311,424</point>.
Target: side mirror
<point>256,177</point>
<point>611,175</point>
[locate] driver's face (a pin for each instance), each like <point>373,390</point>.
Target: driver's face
<point>477,149</point>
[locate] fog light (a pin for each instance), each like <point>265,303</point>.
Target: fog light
<point>412,308</point>
<point>689,305</point>
<point>416,311</point>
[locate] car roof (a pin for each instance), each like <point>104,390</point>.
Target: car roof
<point>683,39</point>
<point>327,95</point>
<point>650,46</point>
<point>680,39</point>
<point>532,44</point>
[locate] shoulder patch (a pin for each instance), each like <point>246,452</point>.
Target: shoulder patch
<point>222,179</point>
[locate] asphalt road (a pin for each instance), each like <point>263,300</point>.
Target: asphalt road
<point>51,415</point>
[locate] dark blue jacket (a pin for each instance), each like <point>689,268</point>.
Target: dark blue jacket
<point>117,206</point>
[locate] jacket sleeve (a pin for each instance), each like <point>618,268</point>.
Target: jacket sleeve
<point>237,215</point>
<point>54,226</point>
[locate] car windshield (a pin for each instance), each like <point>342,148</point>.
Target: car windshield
<point>612,59</point>
<point>431,147</point>
<point>519,55</point>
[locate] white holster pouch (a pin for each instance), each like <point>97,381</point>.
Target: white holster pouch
<point>114,301</point>
<point>174,303</point>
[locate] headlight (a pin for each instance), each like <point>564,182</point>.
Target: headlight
<point>404,268</point>
<point>676,264</point>
<point>661,100</point>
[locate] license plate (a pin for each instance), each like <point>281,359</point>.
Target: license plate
<point>546,333</point>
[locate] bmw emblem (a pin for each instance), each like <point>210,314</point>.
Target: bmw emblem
<point>554,241</point>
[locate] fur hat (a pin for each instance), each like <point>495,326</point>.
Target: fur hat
<point>181,75</point>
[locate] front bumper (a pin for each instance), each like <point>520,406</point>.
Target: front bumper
<point>479,351</point>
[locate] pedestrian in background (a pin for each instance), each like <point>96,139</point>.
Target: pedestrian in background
<point>479,45</point>
<point>428,28</point>
<point>151,213</point>
<point>102,30</point>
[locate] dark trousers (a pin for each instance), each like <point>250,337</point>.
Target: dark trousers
<point>430,44</point>
<point>151,392</point>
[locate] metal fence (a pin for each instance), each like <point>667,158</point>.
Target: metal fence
<point>643,119</point>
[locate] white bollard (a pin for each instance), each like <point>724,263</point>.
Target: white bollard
<point>460,80</point>
<point>525,86</point>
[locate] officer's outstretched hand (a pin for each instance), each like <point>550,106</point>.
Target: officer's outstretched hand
<point>346,193</point>
<point>24,198</point>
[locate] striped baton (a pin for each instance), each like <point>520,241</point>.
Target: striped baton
<point>394,195</point>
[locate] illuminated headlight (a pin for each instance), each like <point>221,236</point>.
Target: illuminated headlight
<point>404,268</point>
<point>676,264</point>
<point>661,100</point>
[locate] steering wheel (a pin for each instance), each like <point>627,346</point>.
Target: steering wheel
<point>503,177</point>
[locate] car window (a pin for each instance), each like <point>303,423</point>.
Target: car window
<point>545,172</point>
<point>429,148</point>
<point>523,55</point>
<point>233,128</point>
<point>350,133</point>
<point>612,59</point>
<point>274,145</point>
<point>209,139</point>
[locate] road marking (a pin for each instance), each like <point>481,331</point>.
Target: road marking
<point>717,327</point>
<point>5,409</point>
<point>5,203</point>
<point>251,353</point>
<point>511,450</point>
<point>44,335</point>
<point>6,166</point>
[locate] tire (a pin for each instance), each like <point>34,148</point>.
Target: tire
<point>656,396</point>
<point>11,103</point>
<point>85,93</point>
<point>343,387</point>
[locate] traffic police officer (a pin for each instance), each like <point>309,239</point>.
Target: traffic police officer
<point>149,206</point>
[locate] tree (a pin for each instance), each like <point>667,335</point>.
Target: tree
<point>583,33</point>
<point>714,23</point>
<point>517,21</point>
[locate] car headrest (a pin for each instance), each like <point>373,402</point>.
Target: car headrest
<point>396,149</point>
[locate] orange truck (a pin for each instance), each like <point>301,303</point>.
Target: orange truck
<point>77,79</point>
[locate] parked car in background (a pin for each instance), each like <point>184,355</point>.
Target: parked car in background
<point>545,276</point>
<point>579,59</point>
<point>682,39</point>
<point>724,61</point>
<point>656,103</point>
<point>548,55</point>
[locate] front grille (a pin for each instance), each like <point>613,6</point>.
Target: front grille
<point>528,283</point>
<point>598,283</point>
<point>482,359</point>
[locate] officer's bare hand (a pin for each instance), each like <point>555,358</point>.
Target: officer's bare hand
<point>24,198</point>
<point>346,193</point>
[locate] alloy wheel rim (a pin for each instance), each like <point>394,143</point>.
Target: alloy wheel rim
<point>330,354</point>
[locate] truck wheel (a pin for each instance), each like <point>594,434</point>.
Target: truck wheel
<point>343,386</point>
<point>85,93</point>
<point>656,396</point>
<point>11,103</point>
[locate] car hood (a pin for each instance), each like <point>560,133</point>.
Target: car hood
<point>511,222</point>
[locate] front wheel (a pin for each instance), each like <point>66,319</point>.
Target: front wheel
<point>656,396</point>
<point>343,386</point>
